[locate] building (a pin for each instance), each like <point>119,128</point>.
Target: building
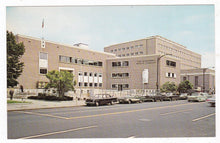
<point>157,45</point>
<point>41,56</point>
<point>141,64</point>
<point>203,79</point>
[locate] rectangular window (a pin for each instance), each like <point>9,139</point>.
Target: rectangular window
<point>90,74</point>
<point>43,56</point>
<point>85,84</point>
<point>171,63</point>
<point>114,86</point>
<point>125,63</point>
<point>80,83</point>
<point>80,73</point>
<point>95,84</point>
<point>100,84</point>
<point>85,73</point>
<point>43,71</point>
<point>100,75</point>
<point>196,81</point>
<point>90,84</point>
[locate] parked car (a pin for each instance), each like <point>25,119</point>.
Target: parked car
<point>197,96</point>
<point>169,96</point>
<point>129,99</point>
<point>101,99</point>
<point>183,96</point>
<point>154,97</point>
<point>211,101</point>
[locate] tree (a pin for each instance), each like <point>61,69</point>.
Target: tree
<point>185,86</point>
<point>62,81</point>
<point>14,66</point>
<point>168,87</point>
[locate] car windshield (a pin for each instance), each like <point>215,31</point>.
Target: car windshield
<point>196,94</point>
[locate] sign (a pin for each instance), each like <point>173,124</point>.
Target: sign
<point>145,74</point>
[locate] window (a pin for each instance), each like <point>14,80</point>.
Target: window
<point>90,74</point>
<point>80,83</point>
<point>100,75</point>
<point>85,73</point>
<point>115,50</point>
<point>90,84</point>
<point>95,84</point>
<point>136,53</point>
<point>184,78</point>
<point>95,74</point>
<point>43,71</point>
<point>125,63</point>
<point>114,86</point>
<point>171,63</point>
<point>100,84</point>
<point>196,80</point>
<point>127,48</point>
<point>80,73</point>
<point>141,53</point>
<point>85,84</point>
<point>123,48</point>
<point>132,54</point>
<point>111,50</point>
<point>127,54</point>
<point>132,47</point>
<point>43,56</point>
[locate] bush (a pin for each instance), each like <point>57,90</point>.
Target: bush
<point>44,96</point>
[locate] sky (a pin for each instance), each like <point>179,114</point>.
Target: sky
<point>99,26</point>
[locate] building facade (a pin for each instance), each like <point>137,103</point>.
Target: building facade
<point>157,45</point>
<point>203,79</point>
<point>140,64</point>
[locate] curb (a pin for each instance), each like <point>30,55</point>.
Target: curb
<point>43,108</point>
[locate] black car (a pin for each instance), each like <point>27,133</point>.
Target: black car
<point>101,99</point>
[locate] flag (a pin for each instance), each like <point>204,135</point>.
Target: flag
<point>43,23</point>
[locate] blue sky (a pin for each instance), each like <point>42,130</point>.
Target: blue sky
<point>100,26</point>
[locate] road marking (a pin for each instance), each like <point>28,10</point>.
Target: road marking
<point>131,137</point>
<point>175,112</point>
<point>39,114</point>
<point>145,120</point>
<point>58,132</point>
<point>203,117</point>
<point>129,111</point>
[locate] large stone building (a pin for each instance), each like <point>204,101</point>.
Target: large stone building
<point>141,64</point>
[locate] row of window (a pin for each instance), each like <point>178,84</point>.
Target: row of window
<point>66,59</point>
<point>117,86</point>
<point>178,57</point>
<point>90,74</point>
<point>127,48</point>
<point>120,75</point>
<point>172,75</point>
<point>120,64</point>
<point>165,48</point>
<point>131,54</point>
<point>86,84</point>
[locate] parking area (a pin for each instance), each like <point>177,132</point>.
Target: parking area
<point>149,119</point>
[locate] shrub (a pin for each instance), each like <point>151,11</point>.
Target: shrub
<point>44,96</point>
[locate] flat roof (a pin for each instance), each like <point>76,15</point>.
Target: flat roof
<point>66,45</point>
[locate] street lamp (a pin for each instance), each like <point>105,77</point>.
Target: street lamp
<point>158,59</point>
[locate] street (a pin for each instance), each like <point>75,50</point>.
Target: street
<point>144,120</point>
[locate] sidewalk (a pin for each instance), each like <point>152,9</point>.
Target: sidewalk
<point>41,104</point>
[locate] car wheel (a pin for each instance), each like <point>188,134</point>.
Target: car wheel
<point>189,100</point>
<point>111,102</point>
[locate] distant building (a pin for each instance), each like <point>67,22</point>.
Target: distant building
<point>203,79</point>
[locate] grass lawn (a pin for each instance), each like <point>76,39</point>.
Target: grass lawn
<point>13,101</point>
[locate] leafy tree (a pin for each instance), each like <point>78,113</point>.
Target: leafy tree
<point>14,66</point>
<point>168,87</point>
<point>185,86</point>
<point>62,81</point>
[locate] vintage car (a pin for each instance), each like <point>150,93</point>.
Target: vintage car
<point>211,101</point>
<point>183,96</point>
<point>100,99</point>
<point>129,99</point>
<point>197,96</point>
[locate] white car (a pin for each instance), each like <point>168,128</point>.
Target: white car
<point>197,96</point>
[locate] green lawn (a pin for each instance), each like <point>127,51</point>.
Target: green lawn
<point>13,101</point>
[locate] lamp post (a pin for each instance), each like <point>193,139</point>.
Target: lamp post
<point>158,59</point>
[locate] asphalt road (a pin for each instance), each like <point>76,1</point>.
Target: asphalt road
<point>145,120</point>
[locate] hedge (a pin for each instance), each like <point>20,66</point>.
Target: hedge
<point>44,96</point>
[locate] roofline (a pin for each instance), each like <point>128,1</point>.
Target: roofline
<point>152,37</point>
<point>66,45</point>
